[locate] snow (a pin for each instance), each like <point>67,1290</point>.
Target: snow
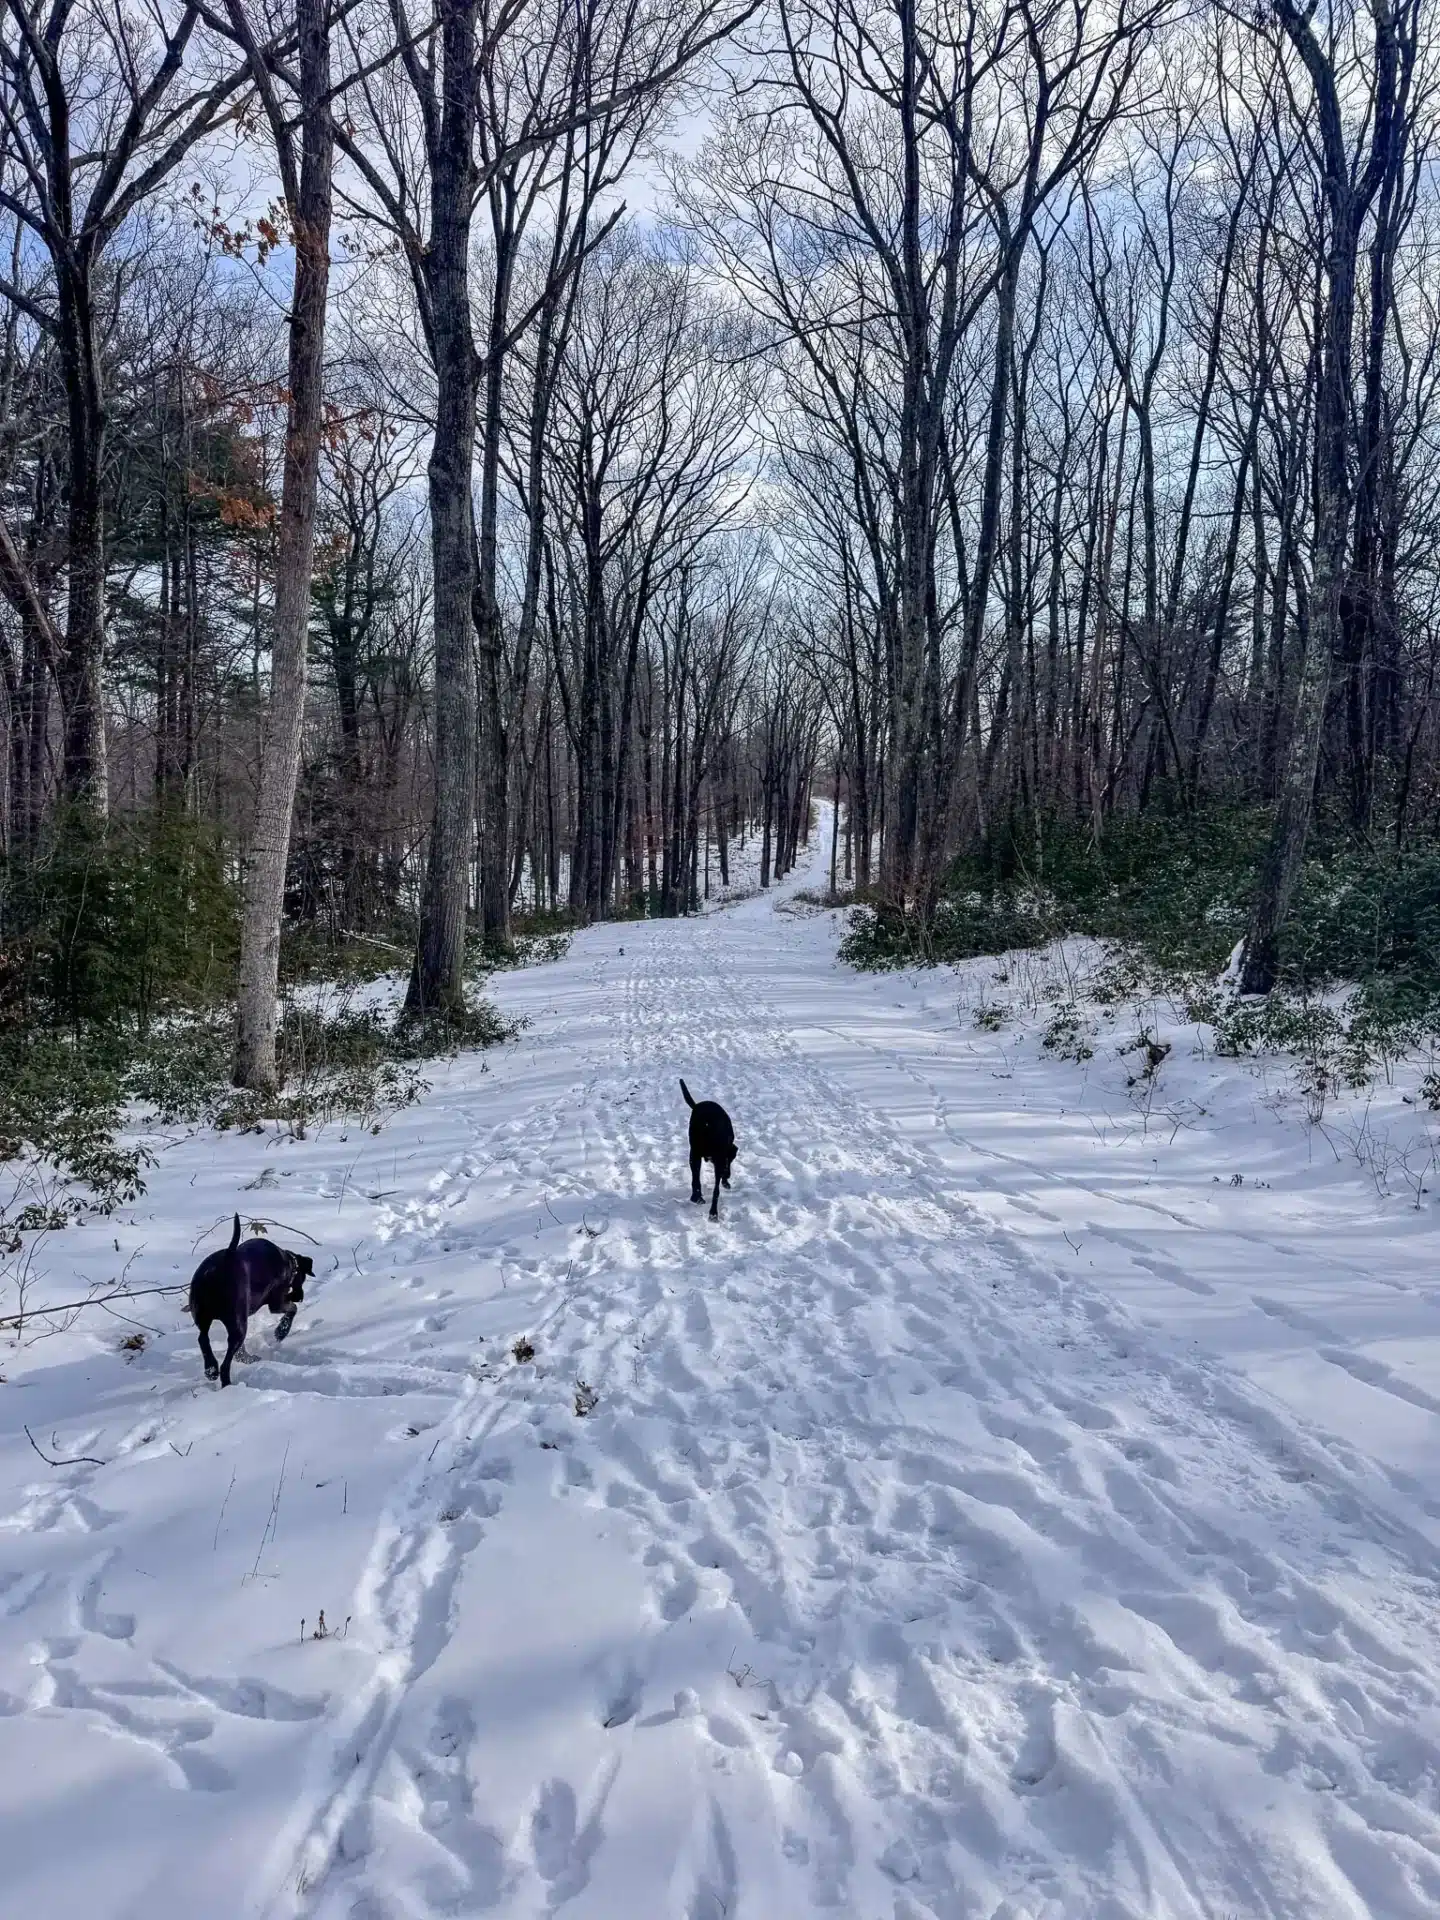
<point>1004,1511</point>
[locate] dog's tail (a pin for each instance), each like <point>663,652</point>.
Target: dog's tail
<point>194,1300</point>
<point>689,1097</point>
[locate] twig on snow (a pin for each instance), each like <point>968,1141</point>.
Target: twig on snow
<point>214,1546</point>
<point>273,1522</point>
<point>80,1460</point>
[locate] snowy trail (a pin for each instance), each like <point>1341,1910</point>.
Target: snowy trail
<point>978,1600</point>
<point>848,1556</point>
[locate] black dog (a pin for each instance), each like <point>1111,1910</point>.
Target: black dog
<point>232,1285</point>
<point>712,1138</point>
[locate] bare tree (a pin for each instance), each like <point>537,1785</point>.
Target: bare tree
<point>495,99</point>
<point>306,181</point>
<point>874,194</point>
<point>97,110</point>
<point>1349,185</point>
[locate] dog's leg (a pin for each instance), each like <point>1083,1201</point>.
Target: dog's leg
<point>695,1193</point>
<point>212,1365</point>
<point>235,1340</point>
<point>715,1197</point>
<point>285,1308</point>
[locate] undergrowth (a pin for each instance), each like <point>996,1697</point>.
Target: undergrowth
<point>1169,898</point>
<point>118,950</point>
<point>1178,891</point>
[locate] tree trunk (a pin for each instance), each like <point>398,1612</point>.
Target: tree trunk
<point>1345,204</point>
<point>84,775</point>
<point>437,980</point>
<point>264,878</point>
<point>490,651</point>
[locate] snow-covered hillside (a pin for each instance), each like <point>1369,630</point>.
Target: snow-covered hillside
<point>1024,1502</point>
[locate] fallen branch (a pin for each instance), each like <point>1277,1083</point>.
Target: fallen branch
<point>80,1460</point>
<point>347,933</point>
<point>74,1306</point>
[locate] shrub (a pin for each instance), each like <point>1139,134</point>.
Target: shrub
<point>61,1101</point>
<point>308,954</point>
<point>1172,895</point>
<point>336,1062</point>
<point>113,923</point>
<point>1068,1035</point>
<point>117,970</point>
<point>528,947</point>
<point>1371,916</point>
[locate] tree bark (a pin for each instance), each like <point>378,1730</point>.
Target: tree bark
<point>264,879</point>
<point>84,774</point>
<point>1346,201</point>
<point>437,982</point>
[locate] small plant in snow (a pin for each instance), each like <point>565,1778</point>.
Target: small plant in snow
<point>523,1351</point>
<point>586,1399</point>
<point>1205,1002</point>
<point>1068,1036</point>
<point>1120,978</point>
<point>990,1019</point>
<point>1152,1056</point>
<point>323,1631</point>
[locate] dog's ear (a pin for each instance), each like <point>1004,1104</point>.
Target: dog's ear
<point>305,1264</point>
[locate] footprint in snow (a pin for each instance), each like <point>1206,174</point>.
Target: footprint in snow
<point>552,1829</point>
<point>97,1619</point>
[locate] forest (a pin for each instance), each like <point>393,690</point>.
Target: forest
<point>470,471</point>
<point>837,596</point>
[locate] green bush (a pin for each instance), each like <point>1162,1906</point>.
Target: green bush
<point>1068,1035</point>
<point>1170,896</point>
<point>963,926</point>
<point>61,1101</point>
<point>182,1071</point>
<point>1175,892</point>
<point>118,949</point>
<point>531,941</point>
<point>335,1063</point>
<point>112,923</point>
<point>1175,887</point>
<point>308,954</point>
<point>447,1031</point>
<point>1371,916</point>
